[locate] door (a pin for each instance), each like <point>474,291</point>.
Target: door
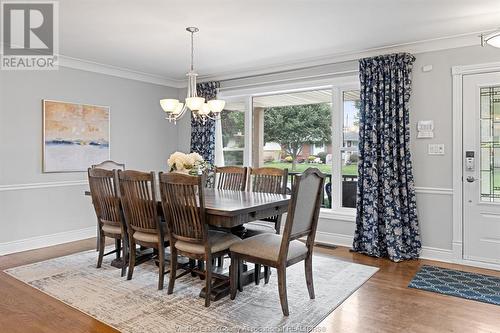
<point>481,167</point>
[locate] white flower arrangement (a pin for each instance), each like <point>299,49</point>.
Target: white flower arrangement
<point>188,163</point>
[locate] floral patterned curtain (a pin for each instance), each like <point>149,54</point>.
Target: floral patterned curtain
<point>386,222</point>
<point>203,133</point>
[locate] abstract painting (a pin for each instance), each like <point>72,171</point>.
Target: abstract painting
<point>75,136</point>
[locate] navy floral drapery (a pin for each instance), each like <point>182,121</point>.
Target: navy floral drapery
<point>203,132</point>
<point>386,222</point>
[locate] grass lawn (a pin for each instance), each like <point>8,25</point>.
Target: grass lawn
<point>351,170</point>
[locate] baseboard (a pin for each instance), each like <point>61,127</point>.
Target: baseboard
<point>328,238</point>
<point>46,240</point>
<point>430,253</point>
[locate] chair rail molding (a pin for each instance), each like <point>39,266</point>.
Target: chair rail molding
<point>30,186</point>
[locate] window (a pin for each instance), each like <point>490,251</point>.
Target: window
<point>294,131</point>
<point>297,129</point>
<point>349,147</point>
<point>230,136</point>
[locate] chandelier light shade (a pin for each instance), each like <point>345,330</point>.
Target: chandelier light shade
<point>197,105</point>
<point>492,39</point>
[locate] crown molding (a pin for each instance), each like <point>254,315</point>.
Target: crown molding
<point>90,66</point>
<point>429,45</point>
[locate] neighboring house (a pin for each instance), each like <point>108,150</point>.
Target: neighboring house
<point>350,144</point>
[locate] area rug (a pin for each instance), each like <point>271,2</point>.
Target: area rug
<point>137,305</point>
<point>478,287</point>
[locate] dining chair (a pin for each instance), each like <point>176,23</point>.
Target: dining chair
<point>107,165</point>
<point>265,180</point>
<point>138,198</point>
<point>110,221</point>
<point>182,198</point>
<point>281,251</point>
<point>230,178</point>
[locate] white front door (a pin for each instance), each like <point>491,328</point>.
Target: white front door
<point>481,167</point>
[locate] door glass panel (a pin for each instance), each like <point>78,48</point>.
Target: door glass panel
<point>490,144</point>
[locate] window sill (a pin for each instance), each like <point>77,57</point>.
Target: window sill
<point>348,215</point>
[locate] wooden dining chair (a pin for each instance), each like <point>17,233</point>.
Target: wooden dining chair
<point>138,198</point>
<point>266,180</point>
<point>281,251</point>
<point>231,178</point>
<point>182,198</point>
<point>109,165</point>
<point>110,221</point>
<point>106,165</point>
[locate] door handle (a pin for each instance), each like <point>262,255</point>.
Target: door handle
<point>471,179</point>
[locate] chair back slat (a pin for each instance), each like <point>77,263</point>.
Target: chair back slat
<point>105,197</point>
<point>182,198</point>
<point>231,178</point>
<point>139,200</point>
<point>303,212</point>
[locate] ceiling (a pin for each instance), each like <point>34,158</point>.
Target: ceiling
<point>149,36</point>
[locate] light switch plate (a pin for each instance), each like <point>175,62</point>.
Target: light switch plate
<point>436,149</point>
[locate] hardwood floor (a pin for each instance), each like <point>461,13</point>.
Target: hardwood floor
<point>383,304</point>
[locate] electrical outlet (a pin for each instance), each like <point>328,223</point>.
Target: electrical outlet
<point>436,149</point>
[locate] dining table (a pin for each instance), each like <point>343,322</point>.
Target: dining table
<point>230,210</point>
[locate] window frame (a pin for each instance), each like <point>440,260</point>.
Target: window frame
<point>338,86</point>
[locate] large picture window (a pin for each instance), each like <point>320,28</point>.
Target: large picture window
<point>296,130</point>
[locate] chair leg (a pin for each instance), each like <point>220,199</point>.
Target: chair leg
<point>267,274</point>
<point>208,280</point>
<point>309,276</point>
<point>220,261</point>
<point>131,260</point>
<point>257,274</point>
<point>240,272</point>
<point>201,267</point>
<point>282,289</point>
<point>192,265</point>
<point>102,240</point>
<point>233,275</point>
<point>98,239</point>
<point>173,269</point>
<point>161,265</point>
<point>125,255</point>
<point>118,248</point>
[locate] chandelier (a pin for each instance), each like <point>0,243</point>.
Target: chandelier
<point>199,107</point>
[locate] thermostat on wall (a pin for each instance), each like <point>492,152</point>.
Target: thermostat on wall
<point>425,129</point>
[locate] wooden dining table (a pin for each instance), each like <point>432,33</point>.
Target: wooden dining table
<point>231,210</point>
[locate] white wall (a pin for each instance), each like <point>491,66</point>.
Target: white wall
<point>431,100</point>
<point>140,138</point>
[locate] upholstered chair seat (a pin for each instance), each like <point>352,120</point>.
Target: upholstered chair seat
<point>112,229</point>
<point>267,246</point>
<point>147,237</point>
<point>257,228</point>
<point>219,241</point>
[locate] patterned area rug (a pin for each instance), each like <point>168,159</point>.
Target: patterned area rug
<point>137,305</point>
<point>478,287</point>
